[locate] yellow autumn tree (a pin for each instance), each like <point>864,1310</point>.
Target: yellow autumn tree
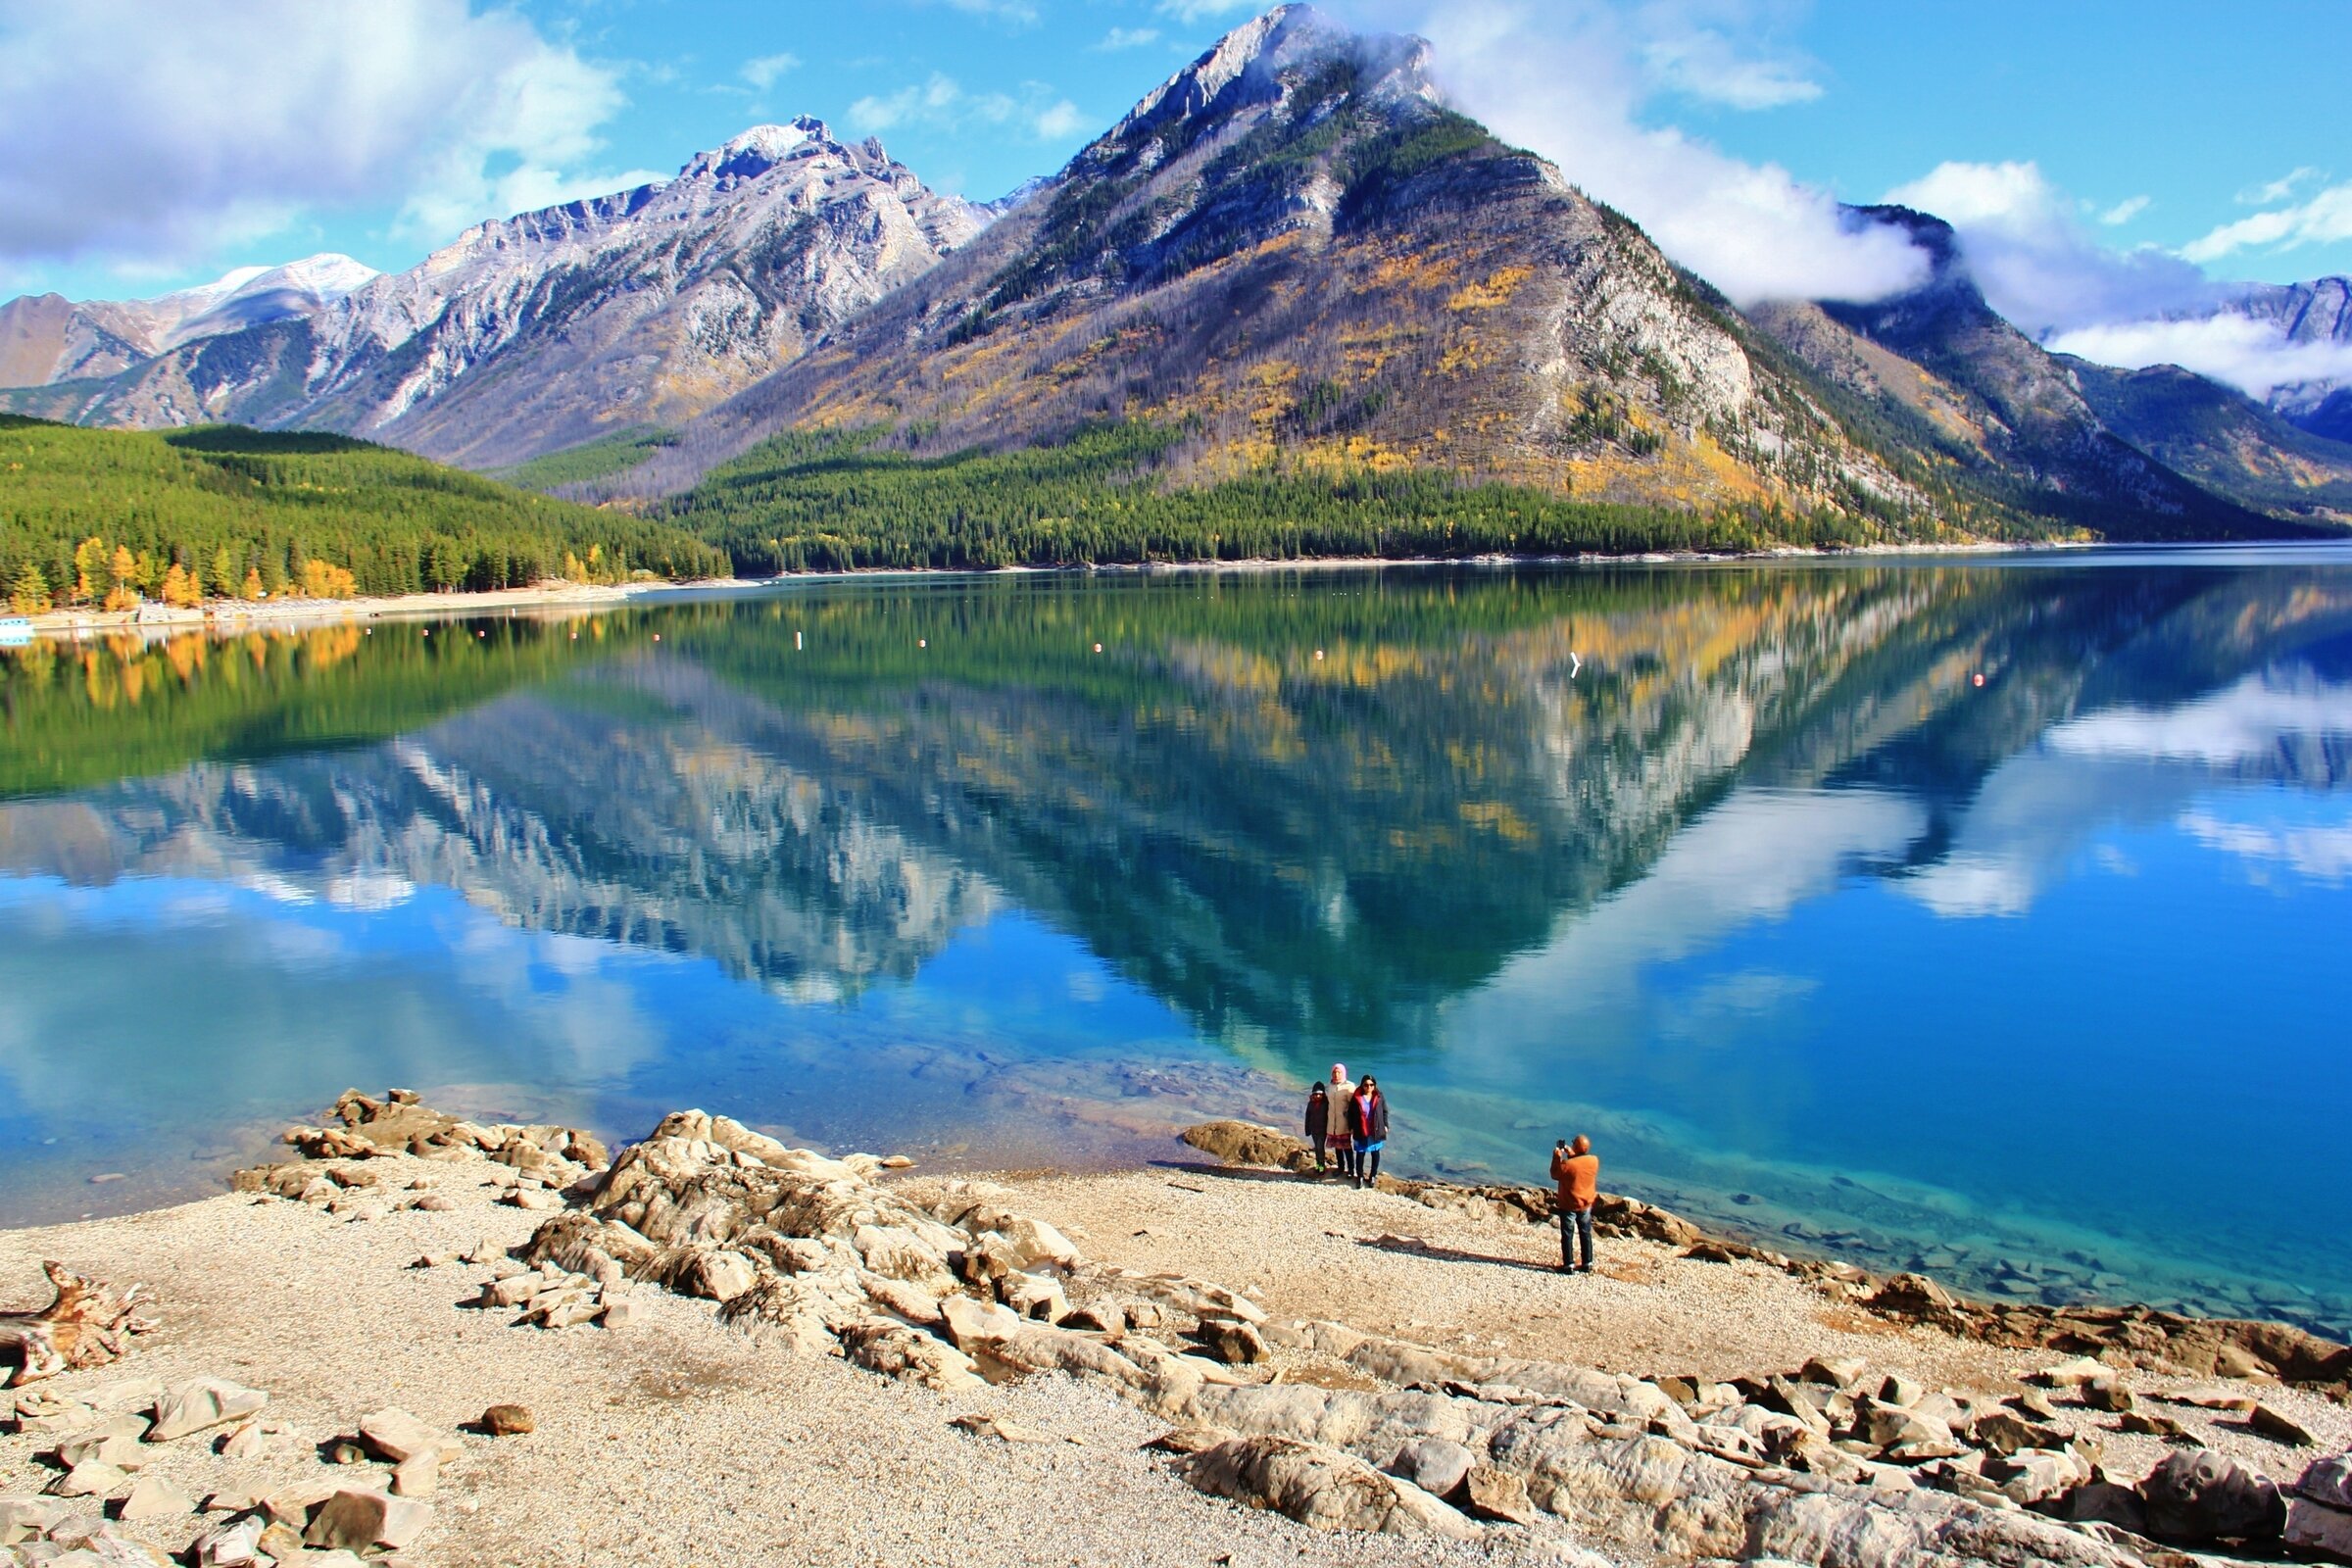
<point>253,584</point>
<point>322,579</point>
<point>177,590</point>
<point>89,567</point>
<point>28,595</point>
<point>123,569</point>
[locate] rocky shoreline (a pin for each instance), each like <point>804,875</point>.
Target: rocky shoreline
<point>2174,1344</point>
<point>712,1240</point>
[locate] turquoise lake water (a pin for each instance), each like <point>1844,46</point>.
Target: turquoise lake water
<point>1988,917</point>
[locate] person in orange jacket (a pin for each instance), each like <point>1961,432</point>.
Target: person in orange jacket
<point>1577,1169</point>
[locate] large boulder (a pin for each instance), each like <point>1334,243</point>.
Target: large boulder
<point>200,1404</point>
<point>2329,1481</point>
<point>2040,1479</point>
<point>1246,1143</point>
<point>1408,1365</point>
<point>1320,1487</point>
<point>1433,1464</point>
<point>357,1521</point>
<point>2314,1527</point>
<point>24,1516</point>
<point>2199,1497</point>
<point>887,1346</point>
<point>396,1436</point>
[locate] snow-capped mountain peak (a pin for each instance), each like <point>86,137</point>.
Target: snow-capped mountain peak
<point>644,306</point>
<point>756,151</point>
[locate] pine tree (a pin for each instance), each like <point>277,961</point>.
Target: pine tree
<point>29,594</point>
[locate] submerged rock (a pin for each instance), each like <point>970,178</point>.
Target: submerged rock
<point>1244,1143</point>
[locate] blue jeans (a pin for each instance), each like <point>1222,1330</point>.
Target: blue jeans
<point>1575,1224</point>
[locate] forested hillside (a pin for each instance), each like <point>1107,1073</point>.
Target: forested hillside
<point>837,500</point>
<point>2223,439</point>
<point>99,517</point>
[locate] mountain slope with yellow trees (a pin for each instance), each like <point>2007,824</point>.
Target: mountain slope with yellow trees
<point>1293,270</point>
<point>106,518</point>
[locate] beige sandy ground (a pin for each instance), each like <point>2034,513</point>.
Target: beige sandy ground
<point>676,1440</point>
<point>239,616</point>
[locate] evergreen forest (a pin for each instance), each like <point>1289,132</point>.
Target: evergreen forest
<point>836,500</point>
<point>106,518</point>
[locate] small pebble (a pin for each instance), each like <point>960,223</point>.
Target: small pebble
<point>507,1420</point>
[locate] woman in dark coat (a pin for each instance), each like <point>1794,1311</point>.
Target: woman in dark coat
<point>1318,1124</point>
<point>1368,1124</point>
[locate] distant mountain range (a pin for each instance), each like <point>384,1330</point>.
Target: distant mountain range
<point>1289,259</point>
<point>546,330</point>
<point>2317,312</point>
<point>47,338</point>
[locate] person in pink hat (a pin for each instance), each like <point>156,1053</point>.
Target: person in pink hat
<point>1339,1131</point>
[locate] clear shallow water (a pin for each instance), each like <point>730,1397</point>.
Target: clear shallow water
<point>2038,983</point>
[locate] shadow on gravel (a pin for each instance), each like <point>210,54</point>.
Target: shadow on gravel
<point>1241,1173</point>
<point>1414,1247</point>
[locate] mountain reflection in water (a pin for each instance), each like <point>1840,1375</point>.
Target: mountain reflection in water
<point>2026,979</point>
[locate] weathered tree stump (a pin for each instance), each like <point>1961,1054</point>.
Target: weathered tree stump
<point>84,1326</point>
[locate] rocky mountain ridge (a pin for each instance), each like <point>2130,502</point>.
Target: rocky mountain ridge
<point>46,338</point>
<point>2319,311</point>
<point>2225,440</point>
<point>1295,253</point>
<point>1293,246</point>
<point>562,325</point>
<point>1291,257</point>
<point>1937,364</point>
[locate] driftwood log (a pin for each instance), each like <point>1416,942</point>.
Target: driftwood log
<point>84,1326</point>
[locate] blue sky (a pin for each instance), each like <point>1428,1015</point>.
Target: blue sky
<point>2105,158</point>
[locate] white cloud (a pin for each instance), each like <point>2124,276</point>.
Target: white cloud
<point>146,136</point>
<point>940,102</point>
<point>2124,212</point>
<point>2278,190</point>
<point>539,115</point>
<point>1129,38</point>
<point>1570,79</point>
<point>2325,220</point>
<point>1972,887</point>
<point>1194,11</point>
<point>1057,121</point>
<point>2038,265</point>
<point>2259,719</point>
<point>763,72</point>
<point>2254,355</point>
<point>925,100</point>
<point>1752,859</point>
<point>2027,250</point>
<point>1704,64</point>
<point>2318,854</point>
<point>1019,12</point>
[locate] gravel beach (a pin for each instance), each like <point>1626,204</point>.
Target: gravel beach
<point>677,1439</point>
